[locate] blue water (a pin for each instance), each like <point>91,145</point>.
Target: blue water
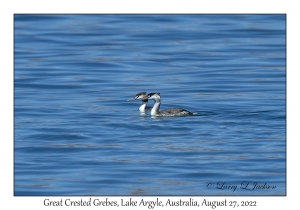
<point>76,134</point>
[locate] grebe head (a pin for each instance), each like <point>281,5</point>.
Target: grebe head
<point>140,96</point>
<point>155,96</point>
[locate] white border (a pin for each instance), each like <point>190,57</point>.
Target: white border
<point>9,8</point>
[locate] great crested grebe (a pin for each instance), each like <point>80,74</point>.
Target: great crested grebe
<point>167,112</point>
<point>143,97</point>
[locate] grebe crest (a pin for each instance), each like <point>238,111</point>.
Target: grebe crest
<point>167,112</point>
<point>143,97</point>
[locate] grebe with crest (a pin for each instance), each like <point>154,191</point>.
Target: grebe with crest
<point>167,112</point>
<point>143,97</point>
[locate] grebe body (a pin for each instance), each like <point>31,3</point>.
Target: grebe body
<point>167,112</point>
<point>143,97</point>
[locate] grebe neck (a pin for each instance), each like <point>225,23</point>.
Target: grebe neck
<point>143,107</point>
<point>155,109</point>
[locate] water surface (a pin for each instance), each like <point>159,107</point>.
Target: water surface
<point>76,134</point>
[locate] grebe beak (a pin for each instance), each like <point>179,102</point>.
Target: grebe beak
<point>132,99</point>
